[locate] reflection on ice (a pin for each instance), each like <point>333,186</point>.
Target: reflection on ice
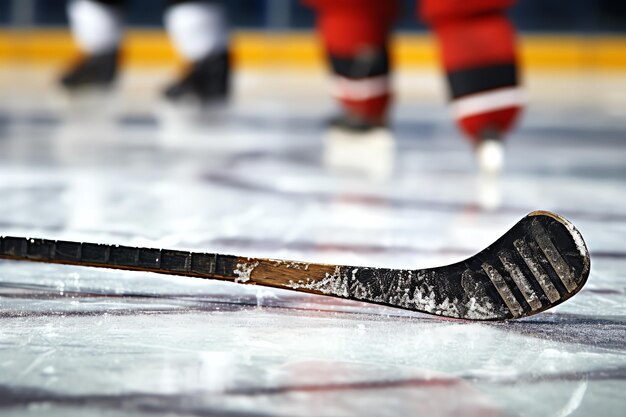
<point>489,191</point>
<point>370,153</point>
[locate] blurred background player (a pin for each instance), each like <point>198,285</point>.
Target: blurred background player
<point>479,55</point>
<point>197,29</point>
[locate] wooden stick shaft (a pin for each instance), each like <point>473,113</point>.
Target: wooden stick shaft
<point>267,272</point>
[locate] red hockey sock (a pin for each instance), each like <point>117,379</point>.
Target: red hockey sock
<point>355,34</point>
<point>477,43</point>
<point>486,121</point>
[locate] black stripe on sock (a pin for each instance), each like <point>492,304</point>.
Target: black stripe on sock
<point>114,3</point>
<point>367,64</point>
<point>476,80</point>
<point>175,2</point>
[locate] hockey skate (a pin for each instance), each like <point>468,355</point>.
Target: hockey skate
<point>357,145</point>
<point>95,71</point>
<point>207,82</point>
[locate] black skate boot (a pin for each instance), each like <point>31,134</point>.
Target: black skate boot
<point>207,81</point>
<point>97,71</point>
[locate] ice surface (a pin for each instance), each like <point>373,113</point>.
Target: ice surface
<point>250,181</point>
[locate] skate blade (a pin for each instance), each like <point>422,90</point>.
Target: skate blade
<point>89,102</point>
<point>366,153</point>
<point>490,156</point>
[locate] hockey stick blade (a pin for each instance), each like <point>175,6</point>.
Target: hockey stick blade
<point>539,263</point>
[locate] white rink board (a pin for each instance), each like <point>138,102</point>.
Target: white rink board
<point>250,181</point>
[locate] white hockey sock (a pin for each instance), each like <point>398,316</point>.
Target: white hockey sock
<point>197,29</point>
<point>96,27</point>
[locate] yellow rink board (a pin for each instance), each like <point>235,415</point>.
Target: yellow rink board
<point>302,49</point>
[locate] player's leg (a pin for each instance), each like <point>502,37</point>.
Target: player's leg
<point>199,32</point>
<point>355,34</point>
<point>478,49</point>
<point>97,27</point>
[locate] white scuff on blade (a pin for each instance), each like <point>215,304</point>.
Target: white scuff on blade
<point>578,239</point>
<point>423,298</point>
<point>292,265</point>
<point>331,284</point>
<point>244,271</point>
<point>477,310</point>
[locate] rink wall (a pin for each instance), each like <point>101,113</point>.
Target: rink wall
<point>150,47</point>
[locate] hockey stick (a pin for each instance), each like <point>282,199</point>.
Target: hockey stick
<point>539,263</point>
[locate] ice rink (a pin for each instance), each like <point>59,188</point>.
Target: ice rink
<point>249,180</point>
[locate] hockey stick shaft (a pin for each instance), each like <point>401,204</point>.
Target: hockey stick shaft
<point>539,263</point>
